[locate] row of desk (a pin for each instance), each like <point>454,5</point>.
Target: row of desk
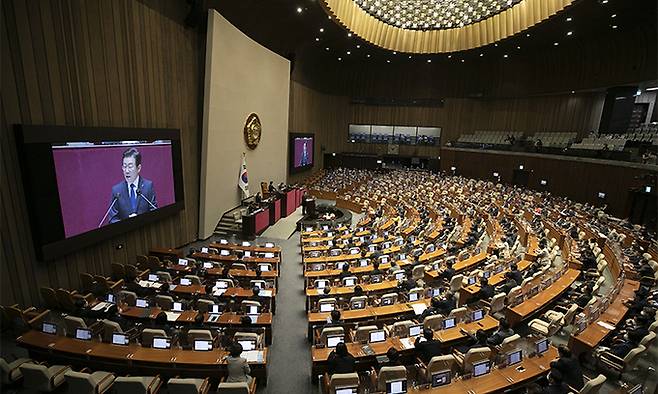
<point>279,207</point>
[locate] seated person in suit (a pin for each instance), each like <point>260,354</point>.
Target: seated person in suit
<point>515,274</point>
<point>334,319</point>
<point>478,340</point>
<point>556,383</point>
<point>433,309</point>
<point>447,304</point>
<point>132,285</point>
<point>134,195</point>
<point>161,322</point>
<point>426,346</point>
<point>394,267</point>
<point>393,357</point>
<point>448,272</point>
<point>238,367</point>
<point>358,291</point>
<point>504,331</point>
<point>569,367</point>
<point>584,298</point>
<point>340,360</point>
<point>486,291</point>
<point>509,284</point>
<point>345,271</point>
<point>376,270</point>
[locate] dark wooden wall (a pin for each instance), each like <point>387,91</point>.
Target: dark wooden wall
<point>119,63</point>
<point>579,179</point>
<point>328,116</point>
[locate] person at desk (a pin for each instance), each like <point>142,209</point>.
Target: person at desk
<point>568,367</point>
<point>509,284</point>
<point>345,272</point>
<point>448,272</point>
<point>334,320</point>
<point>340,360</point>
<point>132,285</point>
<point>393,358</point>
<point>258,198</point>
<point>447,304</point>
<point>434,309</point>
<point>504,331</point>
<point>486,291</point>
<point>426,346</point>
<point>584,298</point>
<point>272,189</point>
<point>376,270</point>
<point>238,368</point>
<point>515,273</point>
<point>161,322</point>
<point>556,383</point>
<point>394,267</point>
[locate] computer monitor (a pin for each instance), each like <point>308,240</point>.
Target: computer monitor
<point>224,252</point>
<point>248,344</point>
<point>481,368</point>
<point>415,330</point>
<point>477,315</point>
<point>514,357</point>
<point>375,278</point>
<point>449,322</point>
<point>252,310</point>
<point>486,274</point>
<point>111,298</point>
<point>120,339</point>
<point>326,307</point>
<point>534,290</point>
<point>325,227</point>
<point>358,305</point>
<point>222,284</point>
<point>363,263</point>
<point>413,296</point>
<point>377,336</point>
<point>207,265</point>
<point>441,378</point>
<point>247,253</point>
<point>141,303</point>
<point>153,277</point>
<point>185,282</point>
<point>321,284</point>
<point>399,276</point>
<point>215,309</point>
<point>333,340</point>
<point>177,307</point>
<point>383,259</point>
<point>372,248</point>
<point>161,343</point>
<point>83,334</point>
<point>499,269</point>
<point>347,390</point>
<point>350,282</point>
<point>436,292</point>
<point>396,386</point>
<point>647,189</point>
<point>49,328</point>
<point>387,301</point>
<point>402,256</point>
<point>472,280</point>
<point>182,262</point>
<point>246,243</point>
<point>309,229</point>
<point>202,345</point>
<point>542,346</point>
<point>253,317</point>
<point>269,255</point>
<point>354,251</point>
<point>204,250</point>
<point>330,234</point>
<point>269,244</point>
<point>264,267</point>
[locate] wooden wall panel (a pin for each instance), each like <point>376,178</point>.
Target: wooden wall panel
<point>117,63</point>
<point>328,117</point>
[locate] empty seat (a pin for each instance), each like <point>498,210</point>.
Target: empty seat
<point>11,371</point>
<point>362,334</point>
<point>188,386</point>
<point>42,378</point>
<point>89,383</point>
<point>149,333</point>
<point>137,384</point>
<point>387,374</point>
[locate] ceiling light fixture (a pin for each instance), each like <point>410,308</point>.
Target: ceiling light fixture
<point>349,35</point>
<point>321,30</point>
<point>651,89</point>
<point>433,14</point>
<point>556,43</point>
<point>340,58</point>
<point>569,33</point>
<point>299,10</point>
<point>569,19</point>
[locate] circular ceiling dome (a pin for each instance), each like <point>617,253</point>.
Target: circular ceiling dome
<point>433,14</point>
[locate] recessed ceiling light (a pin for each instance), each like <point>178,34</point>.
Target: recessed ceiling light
<point>368,55</point>
<point>527,35</point>
<point>329,16</point>
<point>613,16</point>
<point>505,56</point>
<point>449,56</point>
<point>358,46</point>
<point>482,54</point>
<point>462,60</point>
<point>569,19</point>
<point>322,30</point>
<point>349,34</point>
<point>349,53</point>
<point>409,56</point>
<point>495,45</point>
<point>614,26</point>
<point>299,10</point>
<point>340,58</point>
<point>317,39</point>
<point>573,91</point>
<point>429,60</point>
<point>518,47</point>
<point>569,33</point>
<point>395,53</point>
<point>388,61</point>
<point>556,43</point>
<point>604,1</point>
<point>327,48</point>
<point>651,89</point>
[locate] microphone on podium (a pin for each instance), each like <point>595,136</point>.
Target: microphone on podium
<point>139,193</point>
<point>115,197</point>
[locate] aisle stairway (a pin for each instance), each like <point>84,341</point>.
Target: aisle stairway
<point>227,226</point>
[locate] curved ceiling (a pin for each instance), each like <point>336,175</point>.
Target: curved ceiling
<point>456,30</point>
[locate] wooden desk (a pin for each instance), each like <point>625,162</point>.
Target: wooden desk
<point>354,270</point>
<point>498,380</point>
<point>428,257</point>
<point>252,248</point>
<point>534,304</point>
<point>459,266</point>
<point>591,336</point>
<point>132,359</point>
<point>312,293</point>
<point>165,253</point>
<point>469,291</point>
<point>237,292</point>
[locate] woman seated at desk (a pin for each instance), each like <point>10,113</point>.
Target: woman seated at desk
<point>238,368</point>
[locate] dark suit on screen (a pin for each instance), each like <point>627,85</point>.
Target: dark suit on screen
<point>123,207</point>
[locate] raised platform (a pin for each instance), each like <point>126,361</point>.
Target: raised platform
<point>327,215</point>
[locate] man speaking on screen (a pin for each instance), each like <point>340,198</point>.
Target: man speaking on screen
<point>135,195</point>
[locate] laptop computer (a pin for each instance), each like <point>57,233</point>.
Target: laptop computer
<point>202,345</point>
<point>333,340</point>
<point>481,368</point>
<point>441,378</point>
<point>377,336</point>
<point>161,343</point>
<point>83,334</point>
<point>120,339</point>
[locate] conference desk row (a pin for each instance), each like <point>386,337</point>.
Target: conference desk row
<point>134,359</point>
<point>405,346</point>
<point>237,292</point>
<point>226,319</point>
<point>270,212</point>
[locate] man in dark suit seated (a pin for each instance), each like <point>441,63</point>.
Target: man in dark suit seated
<point>486,291</point>
<point>340,360</point>
<point>447,304</point>
<point>427,347</point>
<point>134,195</point>
<point>448,272</point>
<point>556,383</point>
<point>515,274</point>
<point>504,331</point>
<point>569,367</point>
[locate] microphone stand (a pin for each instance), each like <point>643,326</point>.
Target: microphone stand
<point>114,200</point>
<point>139,192</point>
